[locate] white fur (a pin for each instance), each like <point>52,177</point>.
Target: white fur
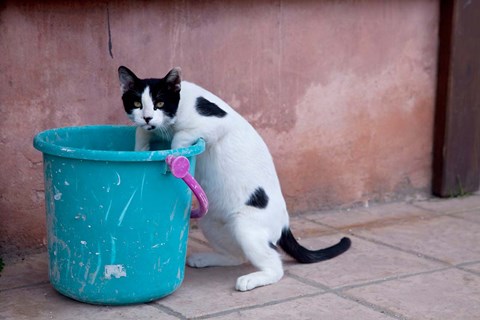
<point>235,163</point>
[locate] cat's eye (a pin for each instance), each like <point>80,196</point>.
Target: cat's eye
<point>137,104</point>
<point>159,105</point>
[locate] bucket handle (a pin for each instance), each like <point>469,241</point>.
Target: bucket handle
<point>179,167</point>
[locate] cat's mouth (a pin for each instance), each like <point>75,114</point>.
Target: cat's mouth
<point>149,127</point>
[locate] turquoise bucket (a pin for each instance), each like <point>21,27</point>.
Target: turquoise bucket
<point>117,220</point>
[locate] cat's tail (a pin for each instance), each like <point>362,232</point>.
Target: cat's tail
<point>290,245</point>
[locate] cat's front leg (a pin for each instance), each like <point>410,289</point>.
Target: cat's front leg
<point>183,139</point>
<point>142,139</point>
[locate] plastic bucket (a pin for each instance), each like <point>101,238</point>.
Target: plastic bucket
<point>117,220</point>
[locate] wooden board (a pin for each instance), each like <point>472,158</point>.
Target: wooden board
<point>457,123</point>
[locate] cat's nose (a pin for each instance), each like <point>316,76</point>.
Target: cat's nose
<point>147,119</point>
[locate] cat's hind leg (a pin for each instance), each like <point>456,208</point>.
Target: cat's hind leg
<point>212,259</point>
<point>226,251</point>
<point>257,248</point>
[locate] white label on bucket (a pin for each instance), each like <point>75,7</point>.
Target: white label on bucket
<point>115,270</point>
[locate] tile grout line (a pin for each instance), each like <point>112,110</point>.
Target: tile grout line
<point>258,306</point>
<point>26,286</point>
<point>379,281</point>
<point>387,279</point>
<point>159,306</point>
<point>325,289</point>
<point>469,271</point>
<point>419,255</point>
<point>308,282</point>
<point>412,252</point>
<point>371,306</point>
<point>447,213</point>
<point>453,215</point>
<point>339,292</point>
<point>464,264</point>
<point>431,216</point>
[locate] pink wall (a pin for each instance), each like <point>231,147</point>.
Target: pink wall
<point>342,91</point>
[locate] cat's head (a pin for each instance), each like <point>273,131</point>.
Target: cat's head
<point>150,103</point>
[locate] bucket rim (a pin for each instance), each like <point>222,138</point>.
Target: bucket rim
<point>40,143</point>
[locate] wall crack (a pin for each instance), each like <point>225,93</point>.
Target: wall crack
<point>110,45</point>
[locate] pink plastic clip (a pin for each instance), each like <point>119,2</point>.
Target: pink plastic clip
<point>179,167</point>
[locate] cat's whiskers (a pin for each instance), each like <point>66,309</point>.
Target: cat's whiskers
<point>166,133</point>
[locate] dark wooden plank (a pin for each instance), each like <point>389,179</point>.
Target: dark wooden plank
<point>456,159</point>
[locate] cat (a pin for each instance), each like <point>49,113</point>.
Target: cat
<point>247,219</point>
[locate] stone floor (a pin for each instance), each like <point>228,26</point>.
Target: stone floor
<point>417,260</point>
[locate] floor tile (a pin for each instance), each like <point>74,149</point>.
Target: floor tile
<point>453,205</point>
<point>388,268</point>
<point>363,262</point>
<point>449,294</point>
<point>324,306</point>
<point>43,302</point>
<point>211,290</point>
<point>444,238</point>
<point>33,269</point>
<point>376,216</point>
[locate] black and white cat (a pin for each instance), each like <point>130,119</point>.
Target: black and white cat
<point>247,217</point>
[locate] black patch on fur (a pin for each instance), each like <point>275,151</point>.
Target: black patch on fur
<point>258,199</point>
<point>290,245</point>
<point>209,109</point>
<point>274,247</point>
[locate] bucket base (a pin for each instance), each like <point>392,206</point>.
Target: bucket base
<point>109,300</point>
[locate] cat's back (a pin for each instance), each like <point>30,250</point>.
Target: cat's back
<point>234,130</point>
<point>191,92</point>
<point>236,160</point>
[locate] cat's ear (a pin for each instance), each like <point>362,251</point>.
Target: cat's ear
<point>127,78</point>
<point>173,79</point>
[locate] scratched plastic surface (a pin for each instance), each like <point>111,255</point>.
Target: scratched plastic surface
<point>117,221</point>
